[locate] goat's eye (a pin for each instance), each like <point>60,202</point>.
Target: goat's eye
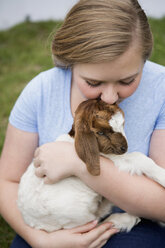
<point>100,133</point>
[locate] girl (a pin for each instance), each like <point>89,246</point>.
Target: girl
<point>100,51</point>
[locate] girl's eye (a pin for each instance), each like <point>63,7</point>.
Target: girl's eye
<point>127,83</point>
<point>93,84</point>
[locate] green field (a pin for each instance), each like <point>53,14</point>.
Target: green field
<point>25,50</point>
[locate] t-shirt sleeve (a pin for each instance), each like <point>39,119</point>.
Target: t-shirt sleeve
<point>160,123</point>
<point>24,113</point>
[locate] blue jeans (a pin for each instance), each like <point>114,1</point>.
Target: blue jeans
<point>146,234</point>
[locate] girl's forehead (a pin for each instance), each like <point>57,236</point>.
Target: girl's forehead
<point>126,66</point>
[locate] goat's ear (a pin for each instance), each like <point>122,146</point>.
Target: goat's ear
<point>86,146</point>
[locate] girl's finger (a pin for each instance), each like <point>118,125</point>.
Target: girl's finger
<point>48,180</point>
<point>94,234</point>
<point>36,153</point>
<point>85,228</point>
<point>36,162</point>
<point>103,243</point>
<point>39,172</point>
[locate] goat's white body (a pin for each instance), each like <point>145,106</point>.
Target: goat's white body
<point>66,204</point>
<point>71,203</point>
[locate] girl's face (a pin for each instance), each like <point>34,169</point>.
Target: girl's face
<point>112,81</point>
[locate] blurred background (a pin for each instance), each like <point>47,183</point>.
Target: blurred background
<point>15,11</point>
<point>26,31</point>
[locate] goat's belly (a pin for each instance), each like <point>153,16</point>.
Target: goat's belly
<point>66,204</point>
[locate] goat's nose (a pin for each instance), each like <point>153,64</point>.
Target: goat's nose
<point>123,148</point>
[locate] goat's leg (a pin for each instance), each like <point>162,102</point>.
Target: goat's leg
<point>137,164</point>
<point>123,221</point>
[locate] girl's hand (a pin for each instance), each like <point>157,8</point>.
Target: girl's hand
<point>86,236</point>
<point>55,161</point>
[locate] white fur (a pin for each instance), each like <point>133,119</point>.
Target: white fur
<point>117,123</point>
<point>123,221</point>
<point>137,163</point>
<point>70,203</point>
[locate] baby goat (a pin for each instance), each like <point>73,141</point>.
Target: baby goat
<point>98,129</point>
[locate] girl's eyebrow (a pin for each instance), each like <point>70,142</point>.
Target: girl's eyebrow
<point>97,81</point>
<point>92,79</point>
<point>134,75</point>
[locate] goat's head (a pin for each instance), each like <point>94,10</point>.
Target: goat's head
<point>98,127</point>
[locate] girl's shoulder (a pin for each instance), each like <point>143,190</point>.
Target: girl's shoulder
<point>48,82</point>
<point>32,108</point>
<point>55,71</point>
<point>53,76</point>
<point>153,78</point>
<point>153,69</point>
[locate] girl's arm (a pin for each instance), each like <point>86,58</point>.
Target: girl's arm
<point>16,156</point>
<point>157,147</point>
<point>138,195</point>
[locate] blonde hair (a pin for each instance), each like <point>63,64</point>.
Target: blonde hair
<point>96,31</point>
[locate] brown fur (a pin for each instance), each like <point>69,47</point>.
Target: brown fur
<point>93,133</point>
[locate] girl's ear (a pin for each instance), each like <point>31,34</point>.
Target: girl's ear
<point>86,146</point>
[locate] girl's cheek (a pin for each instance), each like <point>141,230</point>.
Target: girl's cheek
<point>128,91</point>
<point>89,92</point>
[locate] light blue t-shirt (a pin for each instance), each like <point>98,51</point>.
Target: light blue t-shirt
<point>44,107</point>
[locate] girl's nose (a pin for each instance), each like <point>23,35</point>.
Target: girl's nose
<point>109,94</point>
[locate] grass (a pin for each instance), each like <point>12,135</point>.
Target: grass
<point>6,234</point>
<point>24,52</point>
<point>157,26</point>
